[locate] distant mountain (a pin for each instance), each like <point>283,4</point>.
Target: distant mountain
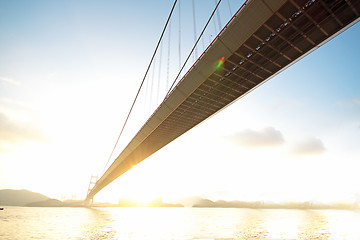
<point>189,201</point>
<point>225,204</point>
<point>9,197</point>
<point>46,203</point>
<point>206,203</point>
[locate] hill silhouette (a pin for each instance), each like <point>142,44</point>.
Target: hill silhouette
<point>46,203</point>
<point>9,197</point>
<point>206,203</point>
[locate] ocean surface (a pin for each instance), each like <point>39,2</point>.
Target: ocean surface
<point>177,223</point>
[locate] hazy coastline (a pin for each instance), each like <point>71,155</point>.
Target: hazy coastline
<point>26,198</point>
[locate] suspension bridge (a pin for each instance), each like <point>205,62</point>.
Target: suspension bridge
<point>260,40</point>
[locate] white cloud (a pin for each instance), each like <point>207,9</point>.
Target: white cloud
<point>9,80</point>
<point>15,102</point>
<point>349,102</point>
<point>357,100</point>
<point>266,137</point>
<point>12,131</point>
<point>310,146</point>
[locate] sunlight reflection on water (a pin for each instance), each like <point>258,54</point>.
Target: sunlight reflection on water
<point>176,223</point>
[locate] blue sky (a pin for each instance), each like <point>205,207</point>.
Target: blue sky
<point>70,70</point>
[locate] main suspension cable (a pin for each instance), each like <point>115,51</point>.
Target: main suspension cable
<point>219,20</point>
<point>142,82</point>
<point>192,50</point>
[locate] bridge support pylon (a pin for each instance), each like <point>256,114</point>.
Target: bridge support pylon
<point>89,201</point>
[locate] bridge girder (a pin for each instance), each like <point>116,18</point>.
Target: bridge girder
<point>262,39</point>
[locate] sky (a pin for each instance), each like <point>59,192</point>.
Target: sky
<point>69,71</point>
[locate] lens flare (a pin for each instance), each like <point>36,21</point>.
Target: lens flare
<point>219,63</point>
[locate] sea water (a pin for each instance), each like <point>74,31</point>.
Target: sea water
<point>177,223</point>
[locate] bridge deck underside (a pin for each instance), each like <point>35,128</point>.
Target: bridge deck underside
<point>292,31</point>
<point>270,49</point>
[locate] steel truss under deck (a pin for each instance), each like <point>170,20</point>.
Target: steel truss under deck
<point>262,39</point>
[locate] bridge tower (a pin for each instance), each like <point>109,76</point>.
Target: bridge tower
<point>93,180</point>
